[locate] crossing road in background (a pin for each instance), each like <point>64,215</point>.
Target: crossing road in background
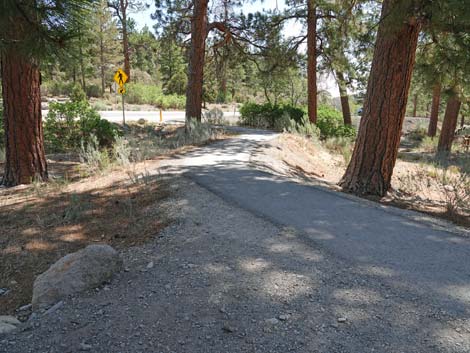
<point>171,117</point>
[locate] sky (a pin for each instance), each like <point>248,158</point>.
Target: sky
<point>291,29</point>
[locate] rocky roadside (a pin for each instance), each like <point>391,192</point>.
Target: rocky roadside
<point>222,280</point>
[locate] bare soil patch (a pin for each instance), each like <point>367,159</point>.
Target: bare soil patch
<point>43,223</point>
<point>120,206</point>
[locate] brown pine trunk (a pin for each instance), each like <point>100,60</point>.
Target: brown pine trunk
<point>371,167</point>
<point>82,65</point>
<point>125,39</point>
<point>436,97</point>
<point>102,63</point>
<point>25,157</point>
<point>312,60</point>
<point>343,93</point>
<point>449,124</point>
<point>196,61</point>
<point>415,104</point>
<point>462,120</point>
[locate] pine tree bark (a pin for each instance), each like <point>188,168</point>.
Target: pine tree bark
<point>25,156</point>
<point>102,62</point>
<point>82,65</point>
<point>343,94</point>
<point>125,39</point>
<point>449,125</point>
<point>415,104</point>
<point>436,98</point>
<point>312,60</point>
<point>196,61</point>
<point>462,120</point>
<point>374,156</point>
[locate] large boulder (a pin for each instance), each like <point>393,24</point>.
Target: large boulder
<point>74,273</point>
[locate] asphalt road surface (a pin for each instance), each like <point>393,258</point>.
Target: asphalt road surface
<point>407,251</point>
<point>169,117</point>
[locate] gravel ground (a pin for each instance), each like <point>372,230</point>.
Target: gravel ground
<point>222,280</point>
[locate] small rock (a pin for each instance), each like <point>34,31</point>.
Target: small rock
<point>8,324</point>
<point>272,321</point>
<point>54,308</point>
<point>9,319</point>
<point>85,347</point>
<point>341,319</point>
<point>228,328</point>
<point>448,188</point>
<point>26,307</point>
<point>150,265</point>
<point>284,317</point>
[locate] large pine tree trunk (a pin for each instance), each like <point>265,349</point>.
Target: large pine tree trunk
<point>449,124</point>
<point>312,60</point>
<point>25,157</point>
<point>371,167</point>
<point>125,39</point>
<point>82,65</point>
<point>196,60</point>
<point>102,63</point>
<point>436,97</point>
<point>343,93</point>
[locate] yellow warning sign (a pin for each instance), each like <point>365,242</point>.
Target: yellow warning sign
<point>120,77</point>
<point>122,90</point>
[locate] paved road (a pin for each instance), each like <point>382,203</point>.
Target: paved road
<point>421,260</point>
<point>154,116</point>
<point>169,117</point>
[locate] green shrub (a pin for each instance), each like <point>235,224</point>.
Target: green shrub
<point>269,116</point>
<point>171,101</point>
<point>177,83</point>
<point>122,151</point>
<point>304,128</point>
<point>93,156</point>
<point>56,88</point>
<point>429,144</point>
<point>77,94</point>
<point>330,123</point>
<point>70,124</point>
<point>137,93</point>
<point>100,106</point>
<point>93,91</point>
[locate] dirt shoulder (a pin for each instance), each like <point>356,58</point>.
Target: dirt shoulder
<point>119,206</point>
<point>44,222</point>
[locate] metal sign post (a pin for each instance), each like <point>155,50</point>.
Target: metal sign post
<point>123,111</point>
